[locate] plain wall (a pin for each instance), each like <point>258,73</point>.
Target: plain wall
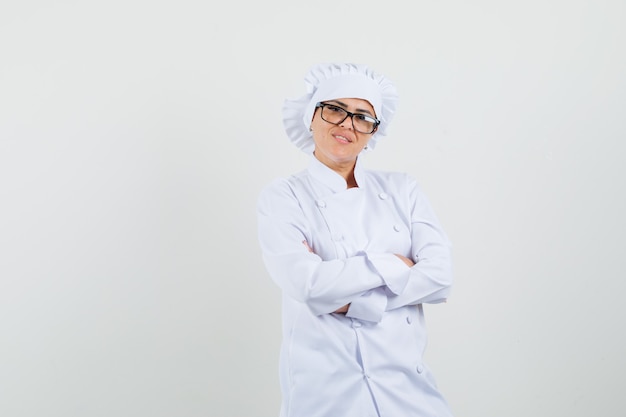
<point>136,135</point>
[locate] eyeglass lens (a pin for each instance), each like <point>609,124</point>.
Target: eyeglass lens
<point>335,115</point>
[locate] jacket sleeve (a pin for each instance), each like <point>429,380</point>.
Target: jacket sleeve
<point>370,306</point>
<point>323,285</point>
<point>430,279</point>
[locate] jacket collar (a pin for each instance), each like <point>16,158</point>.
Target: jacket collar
<point>330,178</point>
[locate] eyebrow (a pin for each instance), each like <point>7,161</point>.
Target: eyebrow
<point>346,106</point>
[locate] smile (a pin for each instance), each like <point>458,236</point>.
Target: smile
<point>342,139</point>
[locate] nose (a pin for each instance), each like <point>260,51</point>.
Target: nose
<point>347,123</point>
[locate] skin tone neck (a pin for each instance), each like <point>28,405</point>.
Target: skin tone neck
<point>346,170</point>
<point>338,146</point>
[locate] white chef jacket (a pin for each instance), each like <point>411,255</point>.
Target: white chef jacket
<point>367,362</point>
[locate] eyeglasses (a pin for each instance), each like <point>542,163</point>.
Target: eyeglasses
<point>336,115</point>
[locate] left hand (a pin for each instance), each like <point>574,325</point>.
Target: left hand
<point>406,260</point>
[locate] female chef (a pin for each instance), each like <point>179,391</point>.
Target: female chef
<point>356,253</point>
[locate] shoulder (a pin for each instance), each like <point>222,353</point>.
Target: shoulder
<point>392,179</point>
<point>281,189</point>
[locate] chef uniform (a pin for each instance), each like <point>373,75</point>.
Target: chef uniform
<point>326,246</point>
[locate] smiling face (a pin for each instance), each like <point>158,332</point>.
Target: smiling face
<point>337,146</point>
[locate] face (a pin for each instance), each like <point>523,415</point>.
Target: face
<point>339,145</point>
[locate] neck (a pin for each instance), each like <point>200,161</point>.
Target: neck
<point>345,169</point>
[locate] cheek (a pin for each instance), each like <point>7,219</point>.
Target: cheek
<point>365,141</point>
<point>316,124</point>
<point>318,136</point>
<point>319,130</point>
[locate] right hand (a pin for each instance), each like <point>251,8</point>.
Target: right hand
<point>342,310</point>
<point>406,260</point>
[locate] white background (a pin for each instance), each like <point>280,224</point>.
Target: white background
<point>135,136</point>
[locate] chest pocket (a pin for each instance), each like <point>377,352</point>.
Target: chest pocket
<point>358,221</point>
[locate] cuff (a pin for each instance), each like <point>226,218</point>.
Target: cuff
<point>370,306</point>
<point>392,269</point>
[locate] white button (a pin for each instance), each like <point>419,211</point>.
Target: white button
<point>419,369</point>
<point>382,196</point>
<point>321,203</point>
<point>356,324</point>
<point>396,227</point>
<point>366,375</point>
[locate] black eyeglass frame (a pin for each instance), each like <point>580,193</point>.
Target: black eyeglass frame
<point>348,114</point>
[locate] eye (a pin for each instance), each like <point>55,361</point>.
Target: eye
<point>334,109</point>
<point>364,118</point>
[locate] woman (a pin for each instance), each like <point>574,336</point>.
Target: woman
<point>356,253</point>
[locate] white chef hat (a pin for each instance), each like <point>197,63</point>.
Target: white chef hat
<point>330,81</point>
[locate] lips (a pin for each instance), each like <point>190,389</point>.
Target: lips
<point>342,138</point>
